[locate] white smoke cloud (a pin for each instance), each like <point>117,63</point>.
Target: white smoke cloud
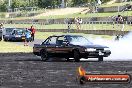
<point>120,50</point>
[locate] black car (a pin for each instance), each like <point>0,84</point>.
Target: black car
<point>70,46</point>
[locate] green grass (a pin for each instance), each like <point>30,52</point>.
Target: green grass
<point>73,26</point>
<point>107,14</point>
<point>44,35</point>
<point>6,47</point>
<point>89,15</point>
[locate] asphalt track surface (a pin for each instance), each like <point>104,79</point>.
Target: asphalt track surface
<point>25,70</point>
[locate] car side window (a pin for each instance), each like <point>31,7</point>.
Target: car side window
<point>50,41</point>
<point>60,40</point>
<point>45,42</point>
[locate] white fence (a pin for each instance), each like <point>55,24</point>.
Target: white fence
<point>92,25</point>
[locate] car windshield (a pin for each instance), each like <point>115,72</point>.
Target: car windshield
<point>79,40</point>
<point>8,30</point>
<point>20,31</point>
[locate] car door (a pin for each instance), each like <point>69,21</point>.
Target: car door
<point>50,45</point>
<point>61,48</point>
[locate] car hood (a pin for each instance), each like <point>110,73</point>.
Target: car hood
<point>94,46</point>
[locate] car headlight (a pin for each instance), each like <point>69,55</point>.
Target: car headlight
<point>106,49</point>
<point>90,49</point>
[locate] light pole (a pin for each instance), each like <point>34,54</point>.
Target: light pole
<point>62,3</point>
<point>9,3</point>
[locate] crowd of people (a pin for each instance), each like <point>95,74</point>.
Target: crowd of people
<point>78,21</point>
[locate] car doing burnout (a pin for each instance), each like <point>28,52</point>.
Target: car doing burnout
<point>70,46</point>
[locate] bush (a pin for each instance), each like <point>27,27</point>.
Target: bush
<point>2,15</point>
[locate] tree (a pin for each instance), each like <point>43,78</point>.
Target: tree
<point>47,3</point>
<point>3,6</point>
<point>78,2</point>
<point>16,4</point>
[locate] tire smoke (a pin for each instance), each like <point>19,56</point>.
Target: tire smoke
<point>120,50</point>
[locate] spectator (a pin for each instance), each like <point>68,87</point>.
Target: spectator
<point>1,25</point>
<point>78,23</point>
<point>32,29</point>
<point>70,21</point>
<point>27,37</point>
<point>120,20</point>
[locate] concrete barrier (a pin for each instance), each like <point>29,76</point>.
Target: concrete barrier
<point>97,32</point>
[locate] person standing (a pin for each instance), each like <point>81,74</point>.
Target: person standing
<point>27,37</point>
<point>70,22</point>
<point>1,31</point>
<point>32,29</point>
<point>120,21</point>
<point>78,23</point>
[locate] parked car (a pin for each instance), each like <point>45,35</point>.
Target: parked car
<point>6,32</point>
<point>70,46</point>
<point>17,34</point>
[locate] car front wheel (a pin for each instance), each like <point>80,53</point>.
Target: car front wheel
<point>67,59</point>
<point>100,58</point>
<point>44,55</point>
<point>76,56</point>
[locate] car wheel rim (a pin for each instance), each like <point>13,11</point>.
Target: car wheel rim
<point>44,56</point>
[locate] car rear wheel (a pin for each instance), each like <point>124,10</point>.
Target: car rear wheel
<point>76,56</point>
<point>100,58</point>
<point>0,39</point>
<point>44,55</point>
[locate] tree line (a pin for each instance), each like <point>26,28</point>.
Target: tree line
<point>4,5</point>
